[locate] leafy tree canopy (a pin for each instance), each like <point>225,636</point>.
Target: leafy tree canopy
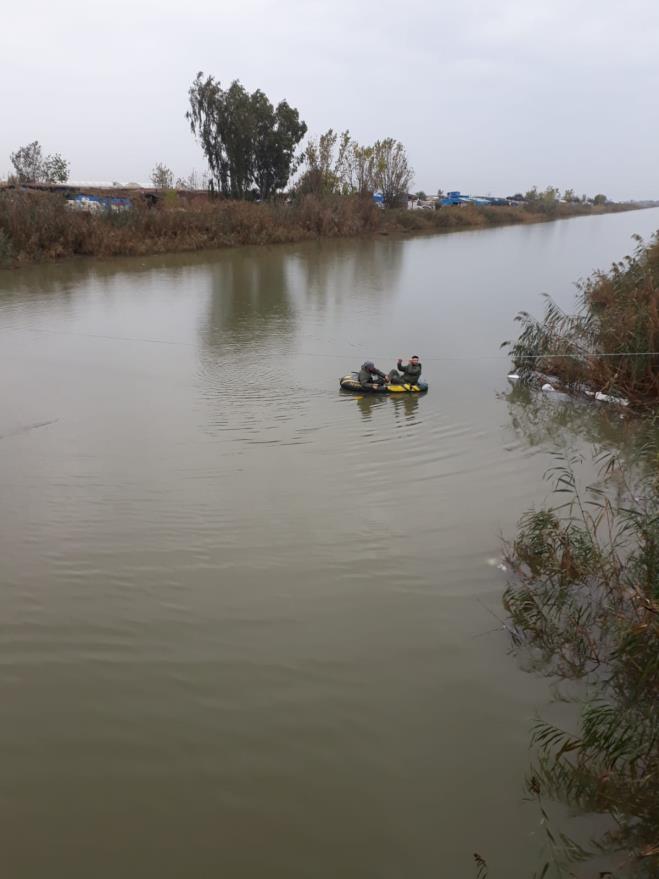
<point>162,177</point>
<point>338,164</point>
<point>247,141</point>
<point>31,166</point>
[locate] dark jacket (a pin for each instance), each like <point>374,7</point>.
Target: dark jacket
<point>367,377</point>
<point>411,373</point>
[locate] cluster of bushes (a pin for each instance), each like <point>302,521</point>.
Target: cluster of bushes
<point>36,226</point>
<point>585,606</point>
<point>609,345</point>
<point>584,601</point>
<point>468,216</point>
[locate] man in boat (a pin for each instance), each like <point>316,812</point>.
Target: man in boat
<point>371,377</point>
<point>409,374</point>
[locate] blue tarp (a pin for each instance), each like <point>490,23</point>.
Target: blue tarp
<point>106,201</point>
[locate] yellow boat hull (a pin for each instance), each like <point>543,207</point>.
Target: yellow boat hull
<point>351,383</point>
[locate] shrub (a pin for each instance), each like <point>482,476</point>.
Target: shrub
<point>585,605</point>
<point>610,344</point>
<point>5,249</point>
<point>38,225</point>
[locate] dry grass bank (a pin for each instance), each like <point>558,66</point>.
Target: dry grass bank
<point>38,226</point>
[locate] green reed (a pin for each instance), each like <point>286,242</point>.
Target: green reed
<point>610,344</point>
<point>584,606</point>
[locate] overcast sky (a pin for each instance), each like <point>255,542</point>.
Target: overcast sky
<point>488,96</point>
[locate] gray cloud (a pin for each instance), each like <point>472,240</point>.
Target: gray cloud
<point>487,96</point>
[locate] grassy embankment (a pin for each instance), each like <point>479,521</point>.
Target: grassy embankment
<point>584,602</point>
<point>37,226</point>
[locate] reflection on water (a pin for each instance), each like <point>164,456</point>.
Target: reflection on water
<point>74,275</point>
<point>343,273</point>
<point>404,406</point>
<point>240,605</point>
<point>249,300</point>
<point>544,421</point>
<point>256,296</point>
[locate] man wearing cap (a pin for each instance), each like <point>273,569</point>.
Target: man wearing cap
<point>370,377</point>
<point>408,374</point>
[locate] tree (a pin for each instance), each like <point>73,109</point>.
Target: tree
<point>324,173</point>
<point>392,173</point>
<point>364,169</point>
<point>345,163</point>
<point>600,198</point>
<point>162,177</point>
<point>32,166</point>
<point>245,139</point>
<point>354,168</point>
<point>28,162</point>
<point>277,131</point>
<point>421,195</point>
<point>550,196</point>
<point>547,201</point>
<point>56,169</point>
<point>194,181</point>
<point>569,195</point>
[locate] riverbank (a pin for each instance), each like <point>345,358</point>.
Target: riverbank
<point>584,597</point>
<point>609,345</point>
<point>38,227</point>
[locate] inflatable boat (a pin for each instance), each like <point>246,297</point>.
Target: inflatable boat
<point>351,383</point>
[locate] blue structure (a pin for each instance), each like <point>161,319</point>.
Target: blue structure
<point>108,202</point>
<point>457,197</point>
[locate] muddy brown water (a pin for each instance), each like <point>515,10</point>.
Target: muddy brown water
<point>245,619</point>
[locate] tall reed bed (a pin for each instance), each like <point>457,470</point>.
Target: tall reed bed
<point>36,226</point>
<point>610,344</point>
<point>584,605</point>
<point>584,601</point>
<point>39,226</point>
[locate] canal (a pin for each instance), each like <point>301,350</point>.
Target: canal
<point>247,622</point>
